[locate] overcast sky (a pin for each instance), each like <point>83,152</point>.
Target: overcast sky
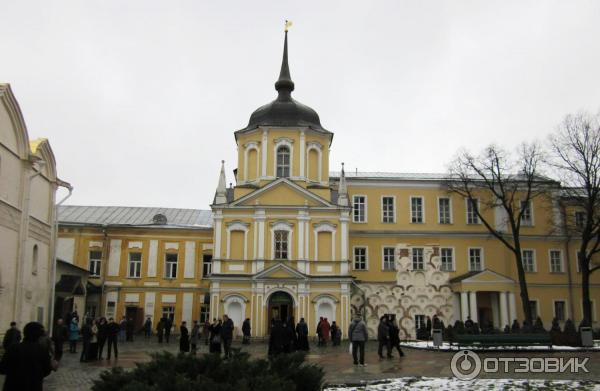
<point>140,99</point>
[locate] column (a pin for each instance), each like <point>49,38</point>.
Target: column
<point>218,219</point>
<point>263,150</point>
<point>512,308</point>
<point>302,147</point>
<point>464,305</point>
<point>503,310</point>
<point>473,306</point>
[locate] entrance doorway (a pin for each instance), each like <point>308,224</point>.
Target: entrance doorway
<point>281,307</point>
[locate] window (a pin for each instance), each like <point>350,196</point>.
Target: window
<point>206,265</point>
<point>579,219</point>
<point>472,208</point>
<point>359,209</point>
<point>417,259</point>
<point>533,304</point>
<point>95,263</point>
<point>475,261</point>
<point>134,266</point>
<point>420,321</point>
<point>281,244</point>
<point>447,255</point>
<point>416,209</point>
<point>388,258</point>
<point>110,309</point>
<point>527,214</point>
<point>204,314</point>
<point>360,258</point>
<point>387,209</point>
<point>444,214</point>
<point>556,261</point>
<point>528,258</point>
<point>168,312</point>
<point>171,265</point>
<point>34,260</point>
<point>560,310</point>
<point>283,162</point>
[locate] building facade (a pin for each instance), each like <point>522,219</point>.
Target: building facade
<point>293,239</point>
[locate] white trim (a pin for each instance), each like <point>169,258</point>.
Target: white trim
<point>276,182</point>
<point>252,145</point>
<point>534,258</point>
<point>453,269</point>
<point>282,226</point>
<point>279,142</point>
<point>237,226</point>
<point>481,256</point>
<point>318,147</point>
<point>302,154</point>
<point>330,300</point>
<point>324,226</point>
<point>562,261</point>
<point>451,209</point>
<point>366,257</point>
<point>393,247</point>
<point>566,314</point>
<point>265,140</point>
<point>366,219</point>
<point>467,212</point>
<point>532,222</point>
<point>393,197</point>
<point>410,211</point>
<point>539,310</point>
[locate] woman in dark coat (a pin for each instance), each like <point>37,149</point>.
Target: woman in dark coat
<point>246,331</point>
<point>184,338</point>
<point>215,337</point>
<point>102,334</point>
<point>276,339</point>
<point>302,333</point>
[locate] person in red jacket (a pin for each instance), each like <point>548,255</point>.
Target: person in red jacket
<point>325,330</point>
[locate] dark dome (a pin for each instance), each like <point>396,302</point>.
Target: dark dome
<point>284,111</point>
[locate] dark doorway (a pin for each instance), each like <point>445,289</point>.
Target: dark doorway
<point>281,307</point>
<point>137,314</point>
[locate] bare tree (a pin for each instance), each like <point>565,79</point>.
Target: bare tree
<point>504,183</point>
<point>576,155</point>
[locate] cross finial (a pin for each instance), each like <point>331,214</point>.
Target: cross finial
<point>288,24</point>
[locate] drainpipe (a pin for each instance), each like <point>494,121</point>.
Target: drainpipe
<point>563,210</point>
<point>54,251</point>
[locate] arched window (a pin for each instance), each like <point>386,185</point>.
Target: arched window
<point>34,260</point>
<point>281,244</point>
<point>283,162</point>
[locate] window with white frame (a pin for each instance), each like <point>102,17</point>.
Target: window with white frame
<point>281,244</point>
<point>556,265</point>
<point>444,213</point>
<point>447,258</point>
<point>533,304</point>
<point>472,208</point>
<point>168,311</point>
<point>416,209</point>
<point>360,258</point>
<point>388,258</point>
<point>475,259</point>
<point>171,265</point>
<point>134,266</point>
<point>560,310</point>
<point>359,209</point>
<point>527,213</point>
<point>34,260</point>
<point>283,162</point>
<point>206,265</point>
<point>418,262</point>
<point>579,219</point>
<point>420,321</point>
<point>387,209</point>
<point>95,261</point>
<point>528,257</point>
<point>204,314</point>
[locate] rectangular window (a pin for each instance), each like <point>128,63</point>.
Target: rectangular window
<point>533,304</point>
<point>359,209</point>
<point>110,309</point>
<point>560,310</point>
<point>281,244</point>
<point>420,321</point>
<point>171,265</point>
<point>447,257</point>
<point>416,209</point>
<point>528,257</point>
<point>475,261</point>
<point>206,265</point>
<point>472,208</point>
<point>134,266</point>
<point>387,209</point>
<point>417,259</point>
<point>95,263</point>
<point>168,312</point>
<point>204,314</point>
<point>579,219</point>
<point>527,214</point>
<point>388,258</point>
<point>556,261</point>
<point>444,214</point>
<point>360,258</point>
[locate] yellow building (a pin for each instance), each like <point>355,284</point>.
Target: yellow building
<point>292,239</point>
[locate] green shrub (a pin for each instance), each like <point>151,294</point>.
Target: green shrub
<point>167,372</point>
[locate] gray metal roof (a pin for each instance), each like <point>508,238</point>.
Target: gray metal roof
<point>134,216</point>
<point>390,175</point>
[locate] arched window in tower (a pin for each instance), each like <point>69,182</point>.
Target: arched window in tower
<point>34,260</point>
<point>283,162</point>
<point>281,245</point>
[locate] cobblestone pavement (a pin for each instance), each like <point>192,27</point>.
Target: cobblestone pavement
<point>336,361</point>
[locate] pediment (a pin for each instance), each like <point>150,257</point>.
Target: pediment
<point>278,272</point>
<point>488,276</point>
<point>282,192</point>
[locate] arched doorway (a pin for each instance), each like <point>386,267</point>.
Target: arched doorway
<point>280,307</point>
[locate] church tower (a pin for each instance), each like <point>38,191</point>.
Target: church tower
<point>280,235</point>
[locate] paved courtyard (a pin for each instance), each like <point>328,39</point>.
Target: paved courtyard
<point>336,361</point>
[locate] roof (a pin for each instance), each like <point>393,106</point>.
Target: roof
<point>134,216</point>
<point>390,175</point>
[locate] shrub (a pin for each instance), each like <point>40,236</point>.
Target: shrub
<point>166,372</point>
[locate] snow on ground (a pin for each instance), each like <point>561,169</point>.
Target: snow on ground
<point>447,346</point>
<point>451,384</point>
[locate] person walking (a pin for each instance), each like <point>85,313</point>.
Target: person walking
<point>358,336</point>
<point>12,336</point>
<point>206,332</point>
<point>325,331</point>
<point>246,331</point>
<point>102,335</point>
<point>395,335</point>
<point>73,335</point>
<point>148,328</point>
<point>26,364</point>
<point>276,339</point>
<point>59,335</point>
<point>227,335</point>
<point>184,338</point>
<point>335,334</point>
<point>129,330</point>
<point>122,329</point>
<point>168,327</point>
<point>160,329</point>
<point>383,337</point>
<point>302,335</point>
<point>93,352</point>
<point>86,338</point>
<point>195,337</point>
<point>112,333</point>
<point>320,332</point>
<point>215,337</point>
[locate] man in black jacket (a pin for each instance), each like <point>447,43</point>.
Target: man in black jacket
<point>383,336</point>
<point>227,335</point>
<point>59,335</point>
<point>12,336</point>
<point>86,337</point>
<point>112,333</point>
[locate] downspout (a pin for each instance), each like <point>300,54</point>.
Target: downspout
<point>568,260</point>
<point>54,251</point>
<point>103,267</point>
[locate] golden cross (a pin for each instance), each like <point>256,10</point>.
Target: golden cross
<point>288,24</point>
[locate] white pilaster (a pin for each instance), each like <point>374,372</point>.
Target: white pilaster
<point>263,150</point>
<point>464,305</point>
<point>302,148</point>
<point>503,310</point>
<point>473,306</point>
<point>189,267</point>
<point>217,251</point>
<point>114,257</point>
<point>149,299</point>
<point>186,310</point>
<point>152,258</point>
<point>512,307</point>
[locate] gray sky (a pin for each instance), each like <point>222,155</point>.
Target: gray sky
<point>140,99</point>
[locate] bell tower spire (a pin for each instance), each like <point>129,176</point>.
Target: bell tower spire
<point>284,85</point>
<point>343,189</point>
<point>221,196</point>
